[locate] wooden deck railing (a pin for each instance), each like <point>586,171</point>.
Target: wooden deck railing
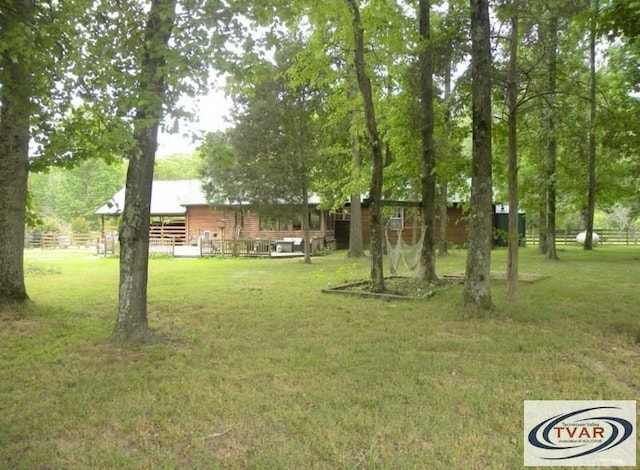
<point>236,247</point>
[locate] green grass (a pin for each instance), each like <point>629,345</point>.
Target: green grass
<point>259,369</point>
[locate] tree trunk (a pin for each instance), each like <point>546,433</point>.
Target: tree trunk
<point>443,242</point>
<point>512,99</point>
<point>15,112</point>
<point>375,191</point>
<point>591,194</point>
<point>542,229</point>
<point>356,242</point>
<point>305,223</point>
<point>443,239</point>
<point>427,268</point>
<point>131,322</point>
<point>477,287</point>
<point>552,142</point>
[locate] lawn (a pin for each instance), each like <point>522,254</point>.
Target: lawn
<point>257,368</point>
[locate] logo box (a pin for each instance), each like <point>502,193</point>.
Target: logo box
<point>579,433</point>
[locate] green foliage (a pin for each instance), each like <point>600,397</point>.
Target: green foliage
<point>53,47</point>
<point>267,158</point>
<point>621,17</point>
<point>32,218</point>
<point>177,167</point>
<point>51,225</point>
<point>84,134</point>
<point>616,129</point>
<point>80,225</point>
<point>76,192</point>
<point>218,169</point>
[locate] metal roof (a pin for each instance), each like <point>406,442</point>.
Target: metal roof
<point>167,198</point>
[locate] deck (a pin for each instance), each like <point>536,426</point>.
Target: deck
<point>187,251</point>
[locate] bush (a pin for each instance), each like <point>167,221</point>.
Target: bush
<point>80,225</point>
<point>51,225</point>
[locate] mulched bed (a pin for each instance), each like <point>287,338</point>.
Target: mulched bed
<point>409,288</point>
<point>397,288</point>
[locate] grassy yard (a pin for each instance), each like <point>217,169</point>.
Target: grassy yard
<point>256,368</point>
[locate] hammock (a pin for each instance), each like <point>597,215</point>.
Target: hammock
<point>408,253</point>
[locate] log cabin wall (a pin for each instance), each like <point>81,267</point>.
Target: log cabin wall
<point>457,230</point>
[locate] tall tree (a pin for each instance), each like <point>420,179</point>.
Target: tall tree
<point>140,58</point>
<point>454,43</point>
<point>276,116</point>
<point>443,184</point>
<point>427,268</point>
<point>591,164</point>
<point>512,104</point>
<point>375,191</point>
<point>131,322</point>
<point>552,139</point>
<point>16,75</point>
<point>41,44</point>
<point>356,242</point>
<point>477,287</point>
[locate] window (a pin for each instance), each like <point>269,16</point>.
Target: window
<point>343,214</point>
<point>396,220</point>
<point>267,223</point>
<point>314,219</point>
<point>272,223</point>
<point>296,223</point>
<point>330,221</point>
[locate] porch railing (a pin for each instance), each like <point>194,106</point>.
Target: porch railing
<point>236,247</point>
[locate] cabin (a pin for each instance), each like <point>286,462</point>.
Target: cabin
<point>180,213</point>
<point>227,221</point>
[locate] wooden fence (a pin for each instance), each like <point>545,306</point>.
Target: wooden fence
<point>50,241</point>
<point>174,246</point>
<point>607,237</point>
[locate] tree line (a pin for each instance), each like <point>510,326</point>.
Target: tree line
<point>531,102</point>
<point>64,200</point>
